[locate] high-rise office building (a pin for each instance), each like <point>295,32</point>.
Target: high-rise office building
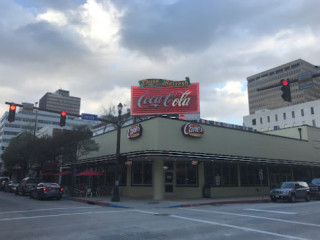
<point>264,89</point>
<point>60,101</point>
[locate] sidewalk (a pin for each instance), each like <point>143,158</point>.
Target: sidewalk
<point>127,202</point>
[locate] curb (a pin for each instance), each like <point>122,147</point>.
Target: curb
<point>108,204</point>
<point>105,204</point>
<point>218,203</point>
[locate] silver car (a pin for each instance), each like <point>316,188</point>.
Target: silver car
<point>291,191</point>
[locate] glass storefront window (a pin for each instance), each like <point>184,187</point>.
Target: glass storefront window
<point>141,173</point>
<point>110,176</point>
<point>221,174</point>
<point>186,174</point>
<point>249,175</point>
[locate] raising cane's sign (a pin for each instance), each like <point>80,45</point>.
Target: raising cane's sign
<point>192,130</point>
<point>159,96</point>
<point>134,131</point>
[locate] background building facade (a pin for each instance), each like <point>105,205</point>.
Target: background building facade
<point>60,101</point>
<point>264,90</point>
<point>29,119</point>
<point>307,113</point>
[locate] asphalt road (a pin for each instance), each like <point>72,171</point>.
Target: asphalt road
<point>25,218</point>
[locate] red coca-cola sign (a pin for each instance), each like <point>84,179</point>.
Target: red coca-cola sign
<point>134,131</point>
<point>165,100</point>
<point>192,129</point>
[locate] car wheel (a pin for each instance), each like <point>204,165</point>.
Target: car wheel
<point>307,197</point>
<point>273,199</point>
<point>293,198</point>
<point>58,198</point>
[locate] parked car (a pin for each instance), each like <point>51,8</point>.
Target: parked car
<point>315,188</point>
<point>47,190</point>
<point>3,180</point>
<point>11,186</point>
<point>291,191</point>
<point>26,185</point>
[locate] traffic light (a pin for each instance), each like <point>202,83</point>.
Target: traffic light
<point>285,88</point>
<point>12,112</point>
<point>63,116</point>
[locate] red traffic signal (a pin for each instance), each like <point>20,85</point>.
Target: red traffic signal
<point>13,107</point>
<point>12,113</point>
<point>285,88</point>
<point>63,116</point>
<point>285,83</point>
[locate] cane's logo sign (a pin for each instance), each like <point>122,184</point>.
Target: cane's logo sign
<point>134,131</point>
<point>192,130</point>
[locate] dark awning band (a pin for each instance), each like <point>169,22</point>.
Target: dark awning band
<point>198,156</point>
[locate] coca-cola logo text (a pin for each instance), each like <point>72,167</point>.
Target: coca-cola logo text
<point>174,99</point>
<point>192,129</point>
<point>134,131</point>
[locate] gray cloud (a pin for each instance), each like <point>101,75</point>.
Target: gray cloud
<point>212,42</point>
<point>191,26</point>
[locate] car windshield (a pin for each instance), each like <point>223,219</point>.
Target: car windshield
<point>50,185</point>
<point>287,185</point>
<point>316,181</point>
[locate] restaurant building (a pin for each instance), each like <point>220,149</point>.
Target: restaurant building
<point>165,158</point>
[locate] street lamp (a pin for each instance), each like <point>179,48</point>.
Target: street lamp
<point>115,192</point>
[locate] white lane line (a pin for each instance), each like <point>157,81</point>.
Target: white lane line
<point>60,215</point>
<point>43,209</point>
<point>229,226</point>
<point>240,228</point>
<point>252,216</point>
<point>271,211</point>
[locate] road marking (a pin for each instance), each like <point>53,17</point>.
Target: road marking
<point>237,227</point>
<point>263,210</point>
<point>60,215</point>
<point>44,209</point>
<point>252,216</point>
<point>228,225</point>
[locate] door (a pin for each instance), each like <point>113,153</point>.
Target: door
<point>168,178</point>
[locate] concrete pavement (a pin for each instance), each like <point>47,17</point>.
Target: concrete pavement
<point>127,202</point>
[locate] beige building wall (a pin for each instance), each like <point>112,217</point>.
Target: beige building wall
<point>163,135</point>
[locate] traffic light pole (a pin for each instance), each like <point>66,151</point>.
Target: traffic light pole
<point>115,192</point>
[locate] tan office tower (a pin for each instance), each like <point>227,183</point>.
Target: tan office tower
<point>264,89</point>
<point>60,101</point>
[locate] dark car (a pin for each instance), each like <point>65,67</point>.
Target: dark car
<point>11,186</point>
<point>291,191</point>
<point>46,191</point>
<point>3,181</point>
<point>315,188</point>
<point>26,185</point>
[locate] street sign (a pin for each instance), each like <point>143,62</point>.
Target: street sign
<point>189,116</point>
<point>86,116</point>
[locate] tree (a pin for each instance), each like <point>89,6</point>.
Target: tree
<point>74,144</point>
<point>19,153</point>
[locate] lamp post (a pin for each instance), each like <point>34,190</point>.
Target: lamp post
<point>115,192</point>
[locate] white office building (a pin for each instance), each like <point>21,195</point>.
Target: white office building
<point>29,119</point>
<point>307,113</point>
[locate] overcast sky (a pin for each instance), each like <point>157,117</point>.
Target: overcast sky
<point>98,49</point>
